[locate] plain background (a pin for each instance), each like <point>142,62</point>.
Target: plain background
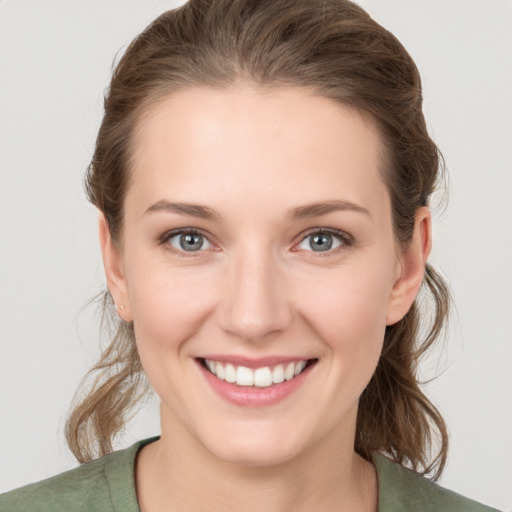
<point>56,58</point>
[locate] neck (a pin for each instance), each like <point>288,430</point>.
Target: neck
<point>178,473</point>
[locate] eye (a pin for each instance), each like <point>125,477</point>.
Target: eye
<point>322,241</point>
<point>189,241</point>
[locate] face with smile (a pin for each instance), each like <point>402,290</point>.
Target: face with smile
<point>258,265</point>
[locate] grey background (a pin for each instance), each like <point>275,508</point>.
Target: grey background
<point>55,58</point>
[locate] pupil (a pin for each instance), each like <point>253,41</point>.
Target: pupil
<point>321,242</point>
<point>191,242</point>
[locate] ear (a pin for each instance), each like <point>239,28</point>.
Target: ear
<point>113,264</point>
<point>413,259</point>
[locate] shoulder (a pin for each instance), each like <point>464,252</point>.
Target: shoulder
<point>72,490</point>
<point>402,490</point>
<point>105,484</point>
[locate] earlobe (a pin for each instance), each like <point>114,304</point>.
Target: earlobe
<point>113,265</point>
<point>412,267</point>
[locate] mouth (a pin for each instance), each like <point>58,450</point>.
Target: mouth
<point>262,377</point>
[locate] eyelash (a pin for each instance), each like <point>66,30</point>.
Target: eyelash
<point>344,238</point>
<point>166,237</point>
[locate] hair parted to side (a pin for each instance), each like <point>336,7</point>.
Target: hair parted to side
<point>337,50</point>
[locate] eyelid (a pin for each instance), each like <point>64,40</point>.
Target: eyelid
<point>165,237</point>
<point>346,239</point>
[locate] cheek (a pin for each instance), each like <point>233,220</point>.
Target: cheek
<point>167,305</point>
<point>348,311</point>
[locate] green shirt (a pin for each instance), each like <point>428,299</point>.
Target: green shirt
<point>108,485</point>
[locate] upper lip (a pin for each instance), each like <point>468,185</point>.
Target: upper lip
<point>250,362</point>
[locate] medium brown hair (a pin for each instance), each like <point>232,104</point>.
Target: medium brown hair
<point>335,48</point>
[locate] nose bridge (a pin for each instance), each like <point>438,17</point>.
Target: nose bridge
<point>255,303</point>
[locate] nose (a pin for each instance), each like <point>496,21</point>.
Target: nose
<point>255,303</point>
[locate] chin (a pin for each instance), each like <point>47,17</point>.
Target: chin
<point>256,455</point>
<point>257,447</point>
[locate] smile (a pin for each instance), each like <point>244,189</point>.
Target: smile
<point>263,377</point>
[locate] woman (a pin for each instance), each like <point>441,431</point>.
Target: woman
<point>263,173</point>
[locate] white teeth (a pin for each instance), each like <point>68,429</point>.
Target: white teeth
<point>230,373</point>
<point>299,367</point>
<point>219,370</point>
<point>289,373</point>
<point>244,376</point>
<point>211,366</point>
<point>260,377</point>
<point>263,377</point>
<point>278,374</point>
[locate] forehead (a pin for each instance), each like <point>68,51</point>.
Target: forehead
<point>245,140</point>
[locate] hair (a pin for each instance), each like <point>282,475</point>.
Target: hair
<point>336,49</point>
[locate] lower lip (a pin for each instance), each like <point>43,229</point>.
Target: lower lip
<point>251,396</point>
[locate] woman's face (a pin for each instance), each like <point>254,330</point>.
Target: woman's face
<point>257,243</point>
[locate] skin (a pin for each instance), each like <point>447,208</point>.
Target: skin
<point>257,288</point>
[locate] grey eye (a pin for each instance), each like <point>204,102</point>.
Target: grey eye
<point>189,242</point>
<point>320,242</point>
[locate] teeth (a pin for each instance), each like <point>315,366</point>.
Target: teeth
<point>299,367</point>
<point>219,370</point>
<point>244,376</point>
<point>263,377</point>
<point>289,373</point>
<point>211,366</point>
<point>260,377</point>
<point>230,373</point>
<point>278,374</point>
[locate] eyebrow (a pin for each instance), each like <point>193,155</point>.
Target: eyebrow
<point>299,212</point>
<point>194,210</point>
<point>325,207</point>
